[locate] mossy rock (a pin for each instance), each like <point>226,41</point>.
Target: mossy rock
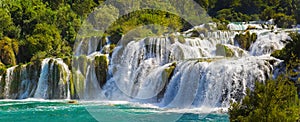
<point>223,50</point>
<point>172,38</point>
<point>101,68</point>
<point>72,88</point>
<point>181,39</point>
<point>108,49</point>
<point>2,68</point>
<point>166,77</point>
<point>196,32</point>
<point>245,40</point>
<point>8,50</point>
<point>68,61</point>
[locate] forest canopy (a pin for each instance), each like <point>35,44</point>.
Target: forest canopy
<point>42,28</point>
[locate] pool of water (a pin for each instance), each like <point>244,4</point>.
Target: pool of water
<point>61,110</point>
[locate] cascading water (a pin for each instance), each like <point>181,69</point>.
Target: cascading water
<point>8,79</point>
<point>42,88</point>
<point>177,70</point>
<point>268,42</point>
<point>48,79</point>
<point>182,71</point>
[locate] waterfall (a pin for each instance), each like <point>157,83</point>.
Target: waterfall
<point>8,80</point>
<point>48,79</point>
<point>177,70</point>
<point>41,91</point>
<point>172,71</point>
<point>268,42</point>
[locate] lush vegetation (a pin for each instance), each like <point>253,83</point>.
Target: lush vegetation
<point>35,29</point>
<point>32,29</point>
<point>285,12</point>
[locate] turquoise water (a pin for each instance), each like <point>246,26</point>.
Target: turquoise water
<point>59,111</point>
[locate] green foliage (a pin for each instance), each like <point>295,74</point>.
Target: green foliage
<point>8,50</point>
<point>44,38</point>
<point>2,69</point>
<point>245,40</point>
<point>284,21</point>
<point>51,26</point>
<point>146,17</point>
<point>7,27</point>
<point>274,100</point>
<point>285,12</point>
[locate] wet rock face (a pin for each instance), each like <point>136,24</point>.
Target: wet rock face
<point>167,75</point>
<point>20,81</point>
<point>101,68</point>
<point>223,50</point>
<point>245,40</point>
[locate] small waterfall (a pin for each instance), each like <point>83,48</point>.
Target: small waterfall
<point>64,80</point>
<point>90,75</point>
<point>41,91</point>
<point>48,79</point>
<point>214,84</point>
<point>267,43</point>
<point>8,79</point>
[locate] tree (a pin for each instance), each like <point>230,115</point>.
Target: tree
<point>83,7</point>
<point>68,22</point>
<point>46,38</point>
<point>7,27</point>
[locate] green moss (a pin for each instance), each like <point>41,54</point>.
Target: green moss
<point>245,40</point>
<point>166,77</point>
<point>172,39</point>
<point>223,50</point>
<point>181,39</point>
<point>2,68</point>
<point>72,87</point>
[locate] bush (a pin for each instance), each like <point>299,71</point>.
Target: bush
<point>284,21</point>
<point>276,100</point>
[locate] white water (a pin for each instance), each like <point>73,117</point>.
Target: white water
<point>268,42</point>
<point>64,80</point>
<point>201,79</point>
<point>138,70</point>
<point>8,80</point>
<point>41,91</point>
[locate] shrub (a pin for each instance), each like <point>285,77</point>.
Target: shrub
<point>276,100</point>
